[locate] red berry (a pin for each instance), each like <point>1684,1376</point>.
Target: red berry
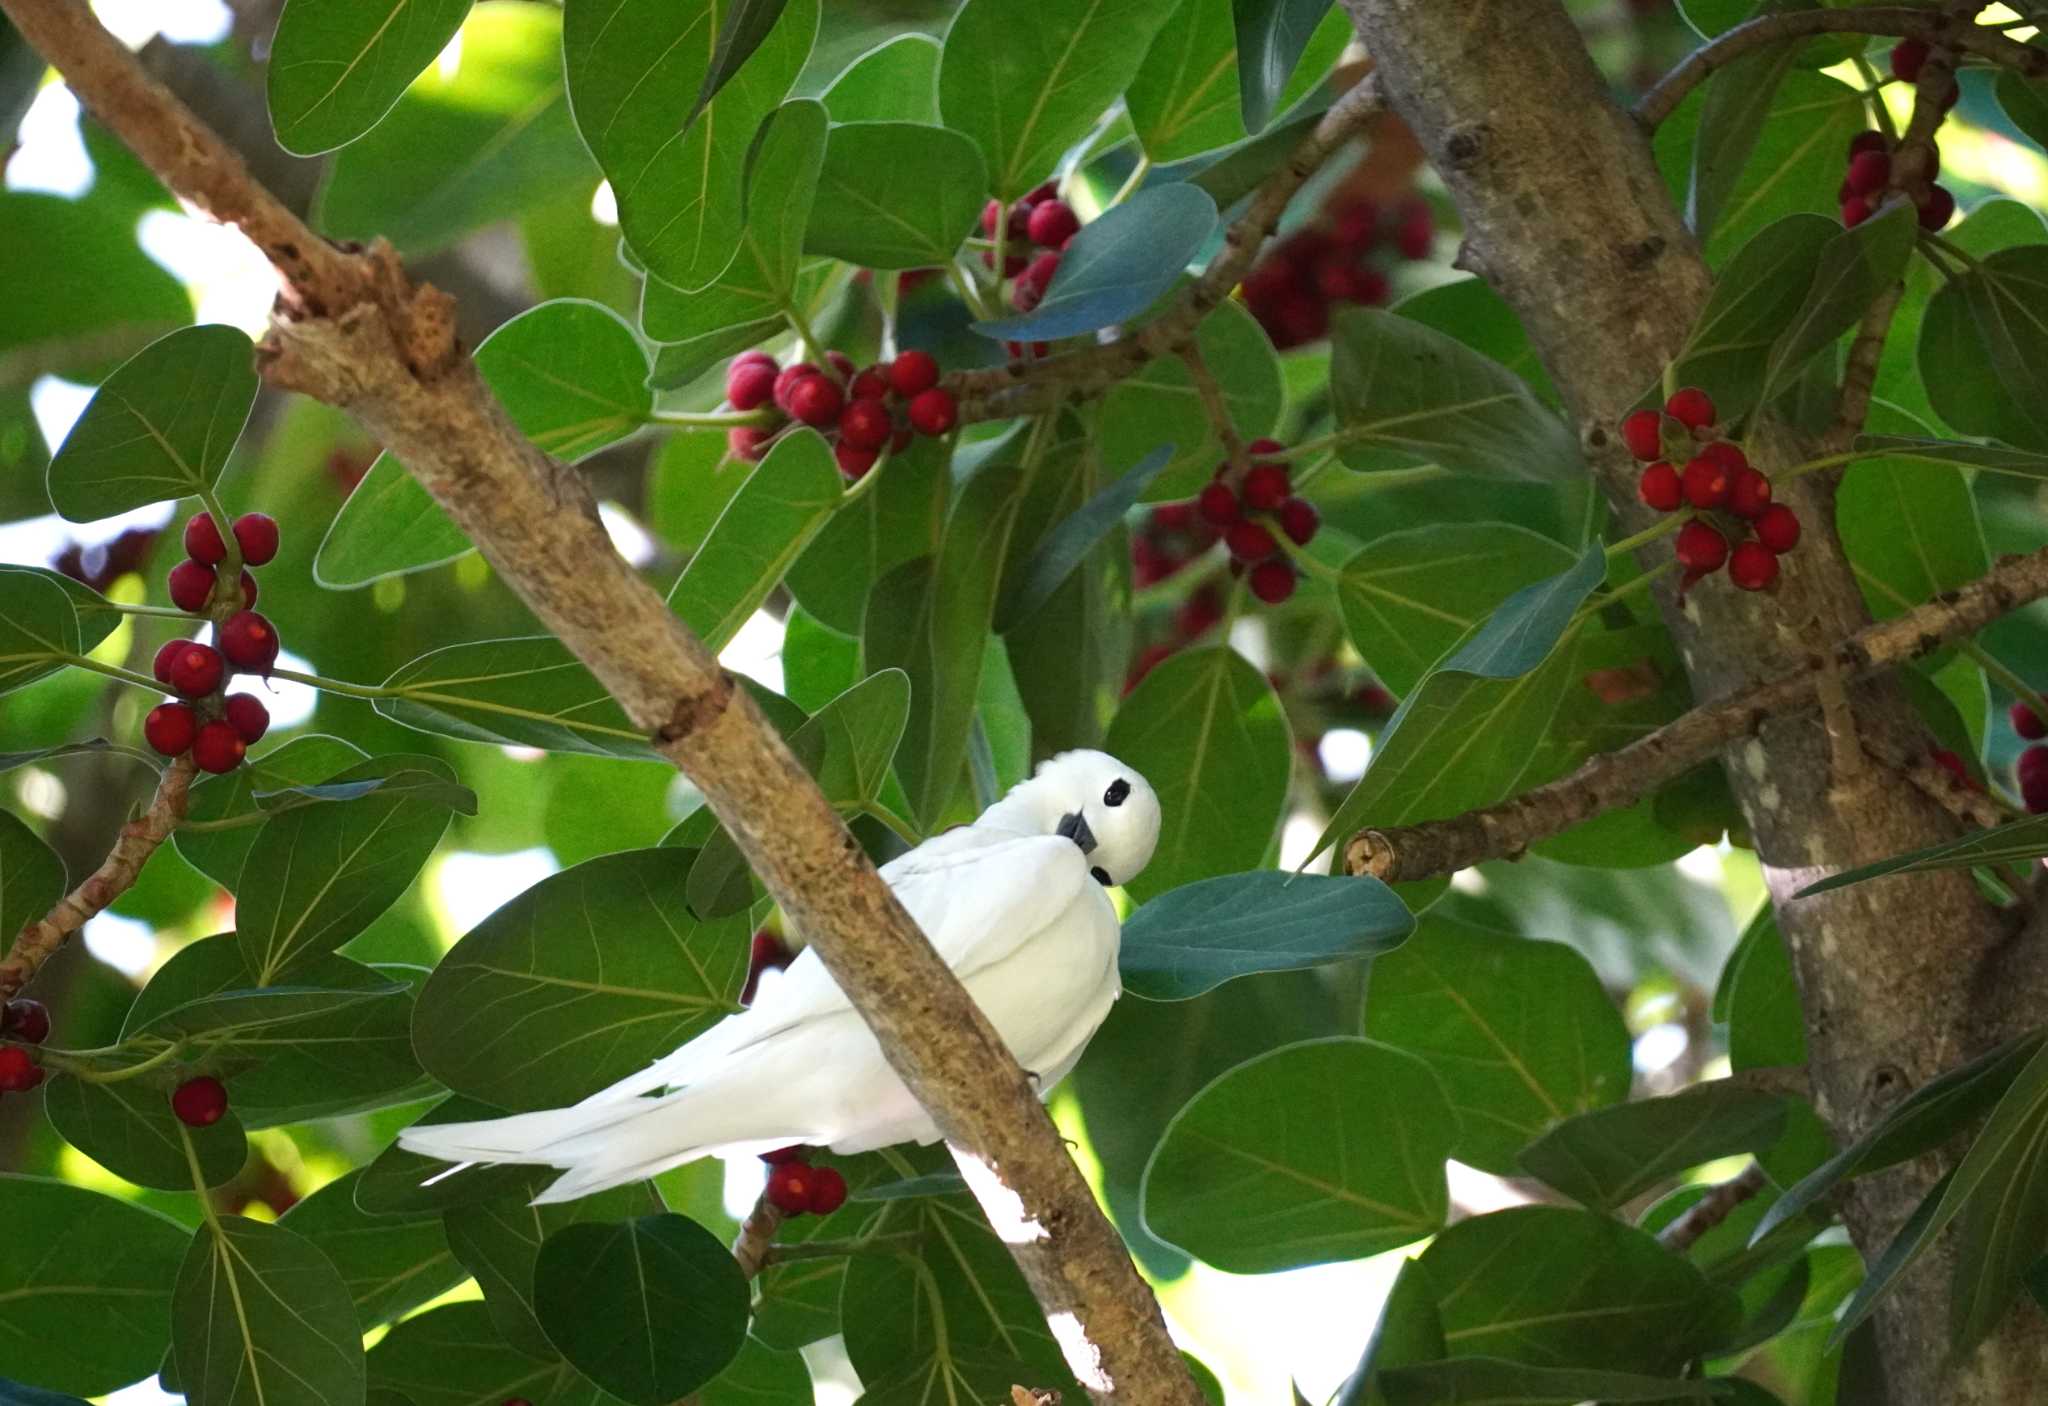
<point>1778,528</point>
<point>1250,541</point>
<point>1357,225</point>
<point>842,366</point>
<point>795,1152</point>
<point>748,443</point>
<point>1217,504</point>
<point>786,381</point>
<point>1174,517</point>
<point>191,583</point>
<point>256,534</point>
<point>1701,547</point>
<point>1265,487</point>
<point>1691,407</point>
<point>249,642</point>
<point>990,213</point>
<point>1907,57</point>
<point>871,384</point>
<point>218,748</point>
<point>1299,520</point>
<point>913,373</point>
<point>1752,566</point>
<point>767,952</point>
<point>18,1072</point>
<point>170,728</point>
<point>1749,493</point>
<point>1272,581</point>
<point>1013,264</point>
<point>1869,140</point>
<point>1032,283</point>
<point>2032,775</point>
<point>932,412</point>
<point>1052,223</point>
<point>26,1020</point>
<point>247,716</point>
<point>1727,453</point>
<point>749,385</point>
<point>203,541</point>
<point>1198,612</point>
<point>866,424</point>
<point>1939,209</point>
<point>1416,233</point>
<point>756,357</point>
<point>828,1187</point>
<point>1705,482</point>
<point>816,400</point>
<point>1869,173</point>
<point>200,1102</point>
<point>789,1188</point>
<point>854,463</point>
<point>1643,433</point>
<point>2027,723</point>
<point>195,669</point>
<point>1855,210</point>
<point>161,666</point>
<point>248,585</point>
<point>1659,487</point>
<point>1954,765</point>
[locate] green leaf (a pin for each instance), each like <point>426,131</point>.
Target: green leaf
<point>1329,1150</point>
<point>1272,35</point>
<point>1984,348</point>
<point>1194,938</point>
<point>1755,298</point>
<point>261,1318</point>
<point>38,627</point>
<point>1521,1034</point>
<point>1160,405</point>
<point>2020,840</point>
<point>317,876</point>
<point>499,1242</point>
<point>582,979</point>
<point>1494,1381</point>
<point>782,506</point>
<point>389,1264</point>
<point>1405,394</point>
<point>162,426</point>
<point>1855,268</point>
<point>2025,103</point>
<point>745,24</point>
<point>394,1183</point>
<point>1408,597</point>
<point>937,183</point>
<point>1063,549</point>
<point>1991,458</point>
<point>1027,80</point>
<point>1118,265</point>
<point>32,877</point>
<point>800,1301</point>
<point>900,518</point>
<point>1408,1331</point>
<point>128,1128</point>
<point>1738,103</point>
<point>452,1356</point>
<point>896,81</point>
<point>1910,529</point>
<point>1470,311</point>
<point>529,692</point>
<point>1610,1155</point>
<point>1206,729</point>
<point>649,1309</point>
<point>303,761</point>
<point>2001,1188</point>
<point>759,1376</point>
<point>1928,1220</point>
<point>72,1256</point>
<point>337,67</point>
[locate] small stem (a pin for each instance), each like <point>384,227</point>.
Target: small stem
<point>1663,527</point>
<point>1953,250</point>
<point>840,1249</point>
<point>1826,461</point>
<point>58,1059</point>
<point>346,690</point>
<point>1621,593</point>
<point>1669,380</point>
<point>1131,182</point>
<point>160,612</point>
<point>711,420</point>
<point>1874,81</point>
<point>812,346</point>
<point>229,572</point>
<point>199,1182</point>
<point>2004,677</point>
<point>969,291</point>
<point>112,671</point>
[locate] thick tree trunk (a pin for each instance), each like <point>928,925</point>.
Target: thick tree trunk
<point>1567,217</point>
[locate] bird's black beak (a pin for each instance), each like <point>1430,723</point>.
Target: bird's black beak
<point>1075,828</point>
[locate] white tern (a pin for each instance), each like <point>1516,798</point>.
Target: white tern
<point>1014,903</point>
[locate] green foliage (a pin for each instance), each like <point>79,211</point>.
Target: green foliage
<point>1117,265</point>
<point>336,69</point>
<point>261,1315</point>
<point>1192,939</point>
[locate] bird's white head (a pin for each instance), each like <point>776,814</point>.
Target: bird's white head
<point>1094,800</point>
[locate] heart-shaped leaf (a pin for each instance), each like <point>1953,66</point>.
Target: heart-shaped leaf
<point>1194,938</point>
<point>1755,298</point>
<point>220,853</point>
<point>1064,548</point>
<point>38,627</point>
<point>1854,268</point>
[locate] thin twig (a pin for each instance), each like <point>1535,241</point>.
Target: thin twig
<point>757,1236</point>
<point>1217,408</point>
<point>1712,1209</point>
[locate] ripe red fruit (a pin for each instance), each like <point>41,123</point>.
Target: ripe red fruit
<point>18,1072</point>
<point>749,385</point>
<point>748,443</point>
<point>1217,504</point>
<point>249,641</point>
<point>2032,775</point>
<point>1907,57</point>
<point>1643,433</point>
<point>1198,612</point>
<point>1250,541</point>
<point>854,463</point>
<point>1701,547</point>
<point>990,213</point>
<point>256,534</point>
<point>1728,454</point>
<point>842,366</point>
<point>1265,487</point>
<point>1954,765</point>
<point>1272,581</point>
<point>795,1152</point>
<point>1358,224</point>
<point>871,384</point>
<point>218,748</point>
<point>756,357</point>
<point>828,1187</point>
<point>170,728</point>
<point>1855,210</point>
<point>195,669</point>
<point>1749,493</point>
<point>816,400</point>
<point>203,540</point>
<point>913,373</point>
<point>26,1020</point>
<point>1260,447</point>
<point>1174,517</point>
<point>1869,173</point>
<point>1705,482</point>
<point>161,666</point>
<point>767,952</point>
<point>191,583</point>
<point>1416,233</point>
<point>1052,223</point>
<point>1691,407</point>
<point>866,424</point>
<point>1752,566</point>
<point>1659,487</point>
<point>200,1102</point>
<point>1778,528</point>
<point>1032,283</point>
<point>789,1188</point>
<point>248,585</point>
<point>1299,520</point>
<point>2027,723</point>
<point>1868,140</point>
<point>247,716</point>
<point>932,412</point>
<point>786,381</point>
<point>1939,209</point>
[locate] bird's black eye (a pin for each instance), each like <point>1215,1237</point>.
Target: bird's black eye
<point>1118,790</point>
<point>1101,876</point>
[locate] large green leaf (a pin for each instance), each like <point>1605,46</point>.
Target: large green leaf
<point>1160,407</point>
<point>38,627</point>
<point>1408,1331</point>
<point>898,519</point>
<point>261,1318</point>
<point>499,1242</point>
<point>582,979</point>
<point>337,66</point>
<point>896,81</point>
<point>1206,729</point>
<point>1493,1381</point>
<point>936,184</point>
<point>128,1128</point>
<point>649,1309</point>
<point>1329,1150</point>
<point>87,1303</point>
<point>452,1356</point>
<point>1612,1154</point>
<point>1272,35</point>
<point>1521,1033</point>
<point>1194,938</point>
<point>1738,103</point>
<point>1909,526</point>
<point>1118,265</point>
<point>1984,348</point>
<point>745,25</point>
<point>162,426</point>
<point>1062,550</point>
<point>1184,101</point>
<point>305,760</point>
<point>529,692</point>
<point>1405,394</point>
<point>32,877</point>
<point>1755,297</point>
<point>1854,270</point>
<point>1026,79</point>
<point>389,1264</point>
<point>2001,1192</point>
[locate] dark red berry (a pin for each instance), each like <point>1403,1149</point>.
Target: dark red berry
<point>767,953</point>
<point>161,666</point>
<point>1357,225</point>
<point>756,357</point>
<point>1777,527</point>
<point>1691,407</point>
<point>1217,504</point>
<point>1659,487</point>
<point>1705,482</point>
<point>816,400</point>
<point>2032,774</point>
<point>828,1187</point>
<point>1869,140</point>
<point>1855,210</point>
<point>200,1102</point>
<point>1265,487</point>
<point>1955,766</point>
<point>1908,55</point>
<point>1727,453</point>
<point>248,585</point>
<point>1752,566</point>
<point>1174,517</point>
<point>1198,612</point>
<point>871,384</point>
<point>196,669</point>
<point>990,213</point>
<point>749,385</point>
<point>26,1020</point>
<point>1250,541</point>
<point>854,463</point>
<point>1701,547</point>
<point>170,728</point>
<point>2027,723</point>
<point>1749,493</point>
<point>256,535</point>
<point>218,748</point>
<point>795,1152</point>
<point>18,1072</point>
<point>1939,209</point>
<point>1052,223</point>
<point>1259,448</point>
<point>932,412</point>
<point>842,366</point>
<point>1032,283</point>
<point>1299,520</point>
<point>866,424</point>
<point>203,542</point>
<point>1013,264</point>
<point>913,373</point>
<point>249,641</point>
<point>247,716</point>
<point>789,1188</point>
<point>1272,581</point>
<point>786,381</point>
<point>1643,433</point>
<point>1869,173</point>
<point>191,583</point>
<point>1416,232</point>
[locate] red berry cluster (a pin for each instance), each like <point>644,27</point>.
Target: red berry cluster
<point>216,730</point>
<point>1039,219</point>
<point>1870,177</point>
<point>856,408</point>
<point>29,1022</point>
<point>1291,290</point>
<point>200,1102</point>
<point>797,1188</point>
<point>2031,772</point>
<point>1717,480</point>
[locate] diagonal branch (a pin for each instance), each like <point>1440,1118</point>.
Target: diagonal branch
<point>1622,777</point>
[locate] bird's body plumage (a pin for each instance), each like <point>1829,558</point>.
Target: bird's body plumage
<point>1015,905</point>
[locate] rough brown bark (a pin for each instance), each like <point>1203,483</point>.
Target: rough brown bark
<point>1566,216</point>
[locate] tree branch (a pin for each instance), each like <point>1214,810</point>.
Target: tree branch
<point>757,1236</point>
<point>354,331</point>
<point>1712,1209</point>
<point>1622,777</point>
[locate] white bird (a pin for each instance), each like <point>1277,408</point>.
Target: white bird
<point>1015,905</point>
